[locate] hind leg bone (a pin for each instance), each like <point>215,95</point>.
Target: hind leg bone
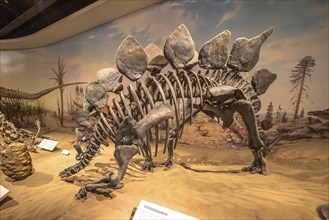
<point>255,143</point>
<point>223,101</point>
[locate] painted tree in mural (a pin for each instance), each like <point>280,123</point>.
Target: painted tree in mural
<point>77,102</point>
<point>278,114</point>
<point>267,123</point>
<point>269,113</point>
<point>284,117</point>
<point>77,91</point>
<point>298,77</point>
<point>59,80</point>
<point>302,113</point>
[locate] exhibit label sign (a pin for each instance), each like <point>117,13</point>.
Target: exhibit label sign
<point>3,192</point>
<point>48,144</point>
<point>148,210</point>
<point>65,152</point>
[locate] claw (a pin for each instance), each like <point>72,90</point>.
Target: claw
<point>263,171</point>
<point>253,169</point>
<point>64,173</point>
<point>167,164</point>
<point>82,193</point>
<point>148,166</point>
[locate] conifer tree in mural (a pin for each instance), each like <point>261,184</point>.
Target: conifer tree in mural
<point>284,118</point>
<point>298,77</point>
<point>267,123</point>
<point>59,80</point>
<point>278,114</point>
<point>302,113</point>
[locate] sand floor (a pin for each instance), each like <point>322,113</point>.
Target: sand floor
<point>205,182</point>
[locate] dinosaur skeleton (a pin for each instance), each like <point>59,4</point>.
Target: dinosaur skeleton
<point>12,94</point>
<point>12,98</point>
<point>218,91</point>
<point>15,144</point>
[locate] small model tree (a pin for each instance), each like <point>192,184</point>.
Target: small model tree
<point>298,77</point>
<point>59,80</point>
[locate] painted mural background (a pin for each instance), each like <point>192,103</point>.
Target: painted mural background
<point>300,29</point>
<point>205,181</point>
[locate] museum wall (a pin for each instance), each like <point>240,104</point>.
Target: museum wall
<point>300,29</point>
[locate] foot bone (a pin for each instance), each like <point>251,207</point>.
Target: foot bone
<point>167,164</point>
<point>253,169</point>
<point>148,166</point>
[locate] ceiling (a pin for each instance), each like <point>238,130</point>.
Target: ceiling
<point>28,24</point>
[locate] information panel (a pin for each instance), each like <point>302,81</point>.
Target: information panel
<point>3,192</point>
<point>48,144</point>
<point>148,210</point>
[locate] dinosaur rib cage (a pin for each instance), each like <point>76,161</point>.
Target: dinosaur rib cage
<point>169,87</point>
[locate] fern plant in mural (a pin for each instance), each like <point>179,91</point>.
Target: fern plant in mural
<point>59,80</point>
<point>298,76</point>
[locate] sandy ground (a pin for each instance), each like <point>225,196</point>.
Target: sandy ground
<point>211,187</point>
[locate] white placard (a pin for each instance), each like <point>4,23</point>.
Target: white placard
<point>48,144</point>
<point>65,152</point>
<point>148,210</point>
<point>3,192</point>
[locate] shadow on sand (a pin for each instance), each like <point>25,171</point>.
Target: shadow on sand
<point>7,202</point>
<point>188,167</point>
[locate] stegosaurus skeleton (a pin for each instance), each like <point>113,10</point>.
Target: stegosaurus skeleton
<point>127,122</point>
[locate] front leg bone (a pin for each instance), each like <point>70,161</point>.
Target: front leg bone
<point>122,154</point>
